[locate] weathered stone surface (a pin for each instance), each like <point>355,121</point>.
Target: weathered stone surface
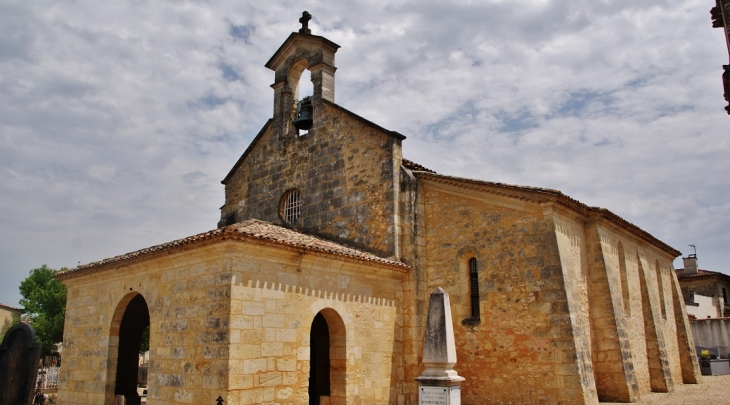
<point>439,350</point>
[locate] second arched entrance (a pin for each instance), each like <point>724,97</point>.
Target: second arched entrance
<point>328,358</point>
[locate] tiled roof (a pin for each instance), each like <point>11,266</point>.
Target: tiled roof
<point>700,273</point>
<point>539,194</point>
<point>251,230</point>
<point>10,308</point>
<point>409,164</point>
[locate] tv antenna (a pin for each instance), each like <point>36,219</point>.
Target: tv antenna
<point>695,249</point>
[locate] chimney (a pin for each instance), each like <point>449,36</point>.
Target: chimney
<point>690,264</point>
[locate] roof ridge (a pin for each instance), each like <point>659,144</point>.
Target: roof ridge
<point>255,229</point>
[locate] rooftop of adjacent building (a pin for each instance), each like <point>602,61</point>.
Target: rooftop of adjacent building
<point>692,271</point>
<point>9,308</point>
<point>682,274</point>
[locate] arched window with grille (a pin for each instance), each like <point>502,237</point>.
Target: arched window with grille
<point>290,206</point>
<point>474,288</point>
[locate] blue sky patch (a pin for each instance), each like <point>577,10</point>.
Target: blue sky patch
<point>228,72</point>
<point>518,121</point>
<point>577,102</point>
<point>241,32</point>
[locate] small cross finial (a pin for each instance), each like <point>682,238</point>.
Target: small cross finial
<point>305,23</point>
<point>219,401</point>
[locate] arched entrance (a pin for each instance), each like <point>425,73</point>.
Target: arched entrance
<point>328,358</point>
<point>131,318</point>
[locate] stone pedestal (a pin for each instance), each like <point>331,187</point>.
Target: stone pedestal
<point>439,384</point>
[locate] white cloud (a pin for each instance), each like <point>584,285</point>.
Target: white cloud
<point>118,120</point>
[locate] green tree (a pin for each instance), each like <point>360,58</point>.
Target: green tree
<point>44,300</point>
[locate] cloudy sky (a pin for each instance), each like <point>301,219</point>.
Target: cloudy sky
<point>118,120</point>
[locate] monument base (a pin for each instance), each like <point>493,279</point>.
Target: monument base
<point>439,395</point>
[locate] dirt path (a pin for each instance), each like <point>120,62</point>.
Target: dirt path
<point>714,390</point>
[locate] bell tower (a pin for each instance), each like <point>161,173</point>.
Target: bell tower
<point>301,51</point>
<point>340,180</point>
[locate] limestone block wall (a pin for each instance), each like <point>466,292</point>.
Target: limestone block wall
<point>346,170</point>
<point>272,309</point>
<point>523,349</point>
<point>188,299</point>
<point>6,317</point>
<point>233,319</point>
<point>572,245</point>
<point>649,331</point>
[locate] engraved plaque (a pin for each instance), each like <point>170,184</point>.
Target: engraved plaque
<point>433,396</point>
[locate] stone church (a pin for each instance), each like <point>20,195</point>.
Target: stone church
<point>314,287</point>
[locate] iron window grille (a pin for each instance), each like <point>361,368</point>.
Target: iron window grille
<point>292,206</point>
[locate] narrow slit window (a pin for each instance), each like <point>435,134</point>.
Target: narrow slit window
<point>291,207</point>
<point>660,286</point>
<point>624,279</point>
<point>474,288</point>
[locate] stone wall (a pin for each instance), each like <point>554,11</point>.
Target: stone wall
<point>232,319</point>
<point>6,317</point>
<point>346,169</point>
<point>523,348</point>
<point>573,309</point>
<point>571,240</point>
<point>272,308</point>
<point>187,296</point>
<point>651,333</point>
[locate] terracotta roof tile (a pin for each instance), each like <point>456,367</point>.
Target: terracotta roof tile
<point>255,230</point>
<point>409,164</point>
<point>700,273</point>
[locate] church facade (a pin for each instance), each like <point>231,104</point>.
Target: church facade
<point>314,287</point>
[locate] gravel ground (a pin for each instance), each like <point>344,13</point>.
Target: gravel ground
<point>714,390</point>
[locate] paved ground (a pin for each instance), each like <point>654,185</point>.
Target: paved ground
<point>714,390</point>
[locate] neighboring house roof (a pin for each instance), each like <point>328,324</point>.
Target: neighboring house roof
<point>539,194</point>
<point>700,274</point>
<point>8,307</point>
<point>252,230</point>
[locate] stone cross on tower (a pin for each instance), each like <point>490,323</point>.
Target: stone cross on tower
<point>305,23</point>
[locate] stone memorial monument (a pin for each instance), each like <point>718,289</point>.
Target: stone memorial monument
<point>439,384</point>
<point>19,356</point>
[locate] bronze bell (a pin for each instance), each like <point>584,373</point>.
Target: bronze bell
<point>304,118</point>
